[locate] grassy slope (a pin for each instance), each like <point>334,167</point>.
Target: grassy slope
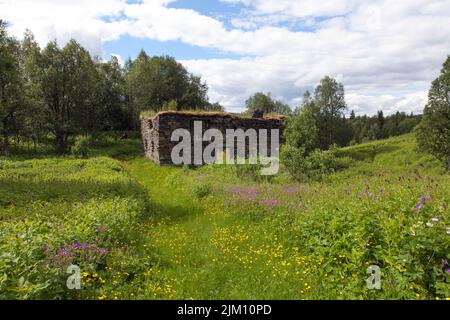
<point>49,206</point>
<point>248,239</point>
<point>398,152</point>
<point>238,246</point>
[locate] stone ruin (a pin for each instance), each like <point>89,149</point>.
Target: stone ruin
<point>156,131</point>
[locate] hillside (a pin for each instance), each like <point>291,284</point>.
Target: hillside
<point>140,231</point>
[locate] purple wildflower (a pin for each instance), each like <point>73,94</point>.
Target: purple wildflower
<point>234,189</point>
<point>69,253</point>
<point>270,203</point>
<point>246,194</point>
<point>419,206</point>
<point>291,190</point>
<point>76,245</point>
<point>447,270</point>
<point>421,197</point>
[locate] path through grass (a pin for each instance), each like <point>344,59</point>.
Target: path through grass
<point>260,240</point>
<point>179,231</point>
<point>141,231</point>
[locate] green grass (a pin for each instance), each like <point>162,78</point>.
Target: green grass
<point>217,232</point>
<point>399,152</point>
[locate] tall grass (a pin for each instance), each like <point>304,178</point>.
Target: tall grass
<point>219,232</point>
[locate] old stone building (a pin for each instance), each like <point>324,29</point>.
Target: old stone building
<point>157,130</point>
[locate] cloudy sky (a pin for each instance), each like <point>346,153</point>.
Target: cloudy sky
<point>386,53</point>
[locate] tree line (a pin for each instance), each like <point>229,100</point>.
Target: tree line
<point>321,119</point>
<point>65,92</point>
<point>319,125</point>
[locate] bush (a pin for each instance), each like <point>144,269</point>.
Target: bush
<point>321,162</point>
<point>100,139</point>
<point>293,160</point>
<point>301,131</point>
<point>314,165</point>
<point>433,132</point>
<point>80,149</point>
<point>202,190</point>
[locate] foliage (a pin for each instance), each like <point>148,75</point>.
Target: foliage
<point>433,132</point>
<point>81,146</point>
<point>138,231</point>
<point>116,112</point>
<point>141,231</point>
<point>216,107</point>
<point>155,82</point>
<point>58,212</point>
<point>319,123</point>
<point>10,84</point>
<point>329,105</point>
<point>308,240</point>
<point>202,190</point>
<point>48,93</point>
<point>265,103</point>
<point>250,172</point>
<point>66,92</point>
<point>301,130</point>
<point>68,81</point>
<point>316,164</point>
<point>365,128</point>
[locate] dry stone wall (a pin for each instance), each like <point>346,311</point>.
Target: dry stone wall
<point>157,131</point>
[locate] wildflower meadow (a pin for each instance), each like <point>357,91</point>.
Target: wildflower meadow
<point>140,231</point>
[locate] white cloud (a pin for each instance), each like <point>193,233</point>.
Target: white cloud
<point>303,8</point>
<point>65,19</point>
<point>386,53</point>
<point>412,102</point>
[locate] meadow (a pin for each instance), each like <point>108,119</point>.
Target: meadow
<point>140,231</point>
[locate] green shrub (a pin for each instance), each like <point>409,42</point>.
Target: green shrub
<point>202,190</point>
<point>80,148</point>
<point>433,132</point>
<point>173,179</point>
<point>100,139</point>
<point>314,165</point>
<point>293,160</point>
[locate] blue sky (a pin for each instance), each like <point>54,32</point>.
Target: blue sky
<point>208,7</point>
<point>385,53</point>
<point>128,46</point>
